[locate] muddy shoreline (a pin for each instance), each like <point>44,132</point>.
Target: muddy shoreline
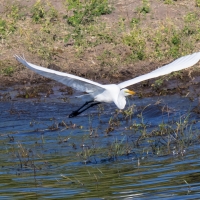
<point>184,83</point>
<point>133,39</point>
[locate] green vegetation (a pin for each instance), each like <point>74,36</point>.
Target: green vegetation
<point>166,138</point>
<point>173,136</point>
<point>137,43</point>
<point>85,12</point>
<point>169,1</point>
<point>98,33</point>
<point>145,8</point>
<point>38,12</point>
<point>81,16</point>
<point>8,71</point>
<point>14,12</point>
<point>134,21</point>
<point>6,28</point>
<point>8,21</point>
<point>198,3</point>
<point>102,40</point>
<point>2,27</point>
<point>43,11</point>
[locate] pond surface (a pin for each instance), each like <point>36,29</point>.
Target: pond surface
<point>150,150</point>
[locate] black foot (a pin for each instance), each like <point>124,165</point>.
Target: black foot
<point>79,111</point>
<point>74,114</point>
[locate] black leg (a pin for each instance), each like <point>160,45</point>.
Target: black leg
<point>86,103</point>
<point>77,112</point>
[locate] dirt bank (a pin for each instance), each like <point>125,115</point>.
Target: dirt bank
<point>125,40</point>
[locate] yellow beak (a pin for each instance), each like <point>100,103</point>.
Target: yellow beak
<point>130,92</point>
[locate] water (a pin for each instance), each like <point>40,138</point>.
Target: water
<point>99,154</point>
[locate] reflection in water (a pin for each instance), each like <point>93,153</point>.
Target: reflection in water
<point>45,154</point>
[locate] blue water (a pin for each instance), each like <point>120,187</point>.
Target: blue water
<point>101,153</point>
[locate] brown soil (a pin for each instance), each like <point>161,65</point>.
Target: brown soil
<point>88,65</point>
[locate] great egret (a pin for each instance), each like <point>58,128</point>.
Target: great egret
<point>108,93</point>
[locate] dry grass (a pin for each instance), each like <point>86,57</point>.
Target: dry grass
<point>133,35</point>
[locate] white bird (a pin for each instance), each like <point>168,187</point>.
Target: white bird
<point>113,92</point>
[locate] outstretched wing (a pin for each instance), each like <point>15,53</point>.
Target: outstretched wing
<point>70,80</point>
<point>181,63</point>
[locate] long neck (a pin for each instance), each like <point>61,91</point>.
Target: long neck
<point>121,101</point>
<point>116,95</point>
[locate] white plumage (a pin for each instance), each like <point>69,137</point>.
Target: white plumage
<point>113,92</point>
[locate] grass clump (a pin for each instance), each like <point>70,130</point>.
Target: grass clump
<point>9,20</point>
<point>169,2</point>
<point>43,11</point>
<point>198,3</point>
<point>44,30</point>
<point>134,21</point>
<point>38,12</point>
<point>162,40</point>
<point>85,12</point>
<point>166,42</point>
<point>81,16</point>
<point>145,8</point>
<point>15,13</point>
<point>8,71</point>
<point>76,29</point>
<point>137,42</point>
<point>3,27</point>
<point>6,28</point>
<point>190,17</point>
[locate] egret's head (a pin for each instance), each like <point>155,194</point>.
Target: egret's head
<point>127,92</point>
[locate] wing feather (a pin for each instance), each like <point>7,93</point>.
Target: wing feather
<point>70,80</point>
<point>179,64</point>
